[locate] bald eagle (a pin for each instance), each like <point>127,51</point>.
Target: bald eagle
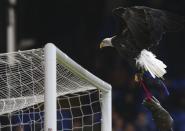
<point>142,28</point>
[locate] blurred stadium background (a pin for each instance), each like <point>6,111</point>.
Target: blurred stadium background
<point>77,27</point>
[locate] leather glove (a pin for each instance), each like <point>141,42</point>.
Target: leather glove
<point>161,117</point>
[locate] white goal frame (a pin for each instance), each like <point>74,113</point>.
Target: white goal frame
<point>51,55</point>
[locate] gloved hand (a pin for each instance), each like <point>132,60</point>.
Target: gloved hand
<point>161,117</point>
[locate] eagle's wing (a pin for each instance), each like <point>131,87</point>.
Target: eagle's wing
<point>121,23</point>
<point>160,22</point>
<point>136,23</point>
<point>169,21</point>
<point>147,25</point>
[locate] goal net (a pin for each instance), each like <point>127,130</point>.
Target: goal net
<point>45,90</point>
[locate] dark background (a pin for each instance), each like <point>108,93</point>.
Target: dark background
<point>77,27</point>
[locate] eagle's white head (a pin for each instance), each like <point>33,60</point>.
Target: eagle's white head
<point>106,42</point>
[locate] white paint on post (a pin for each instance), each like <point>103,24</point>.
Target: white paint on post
<point>50,88</point>
<point>107,111</point>
<point>11,27</point>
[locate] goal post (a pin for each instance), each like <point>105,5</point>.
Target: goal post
<point>50,88</point>
<point>51,55</point>
<point>44,89</point>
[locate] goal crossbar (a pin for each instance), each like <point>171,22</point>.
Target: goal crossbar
<point>80,71</point>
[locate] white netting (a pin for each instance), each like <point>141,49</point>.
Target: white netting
<point>75,112</point>
<point>22,95</point>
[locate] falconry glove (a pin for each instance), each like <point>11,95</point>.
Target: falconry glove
<point>161,117</point>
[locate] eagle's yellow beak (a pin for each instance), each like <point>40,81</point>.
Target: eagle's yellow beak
<point>101,45</point>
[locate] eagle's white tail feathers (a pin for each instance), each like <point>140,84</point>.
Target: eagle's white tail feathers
<point>149,62</point>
